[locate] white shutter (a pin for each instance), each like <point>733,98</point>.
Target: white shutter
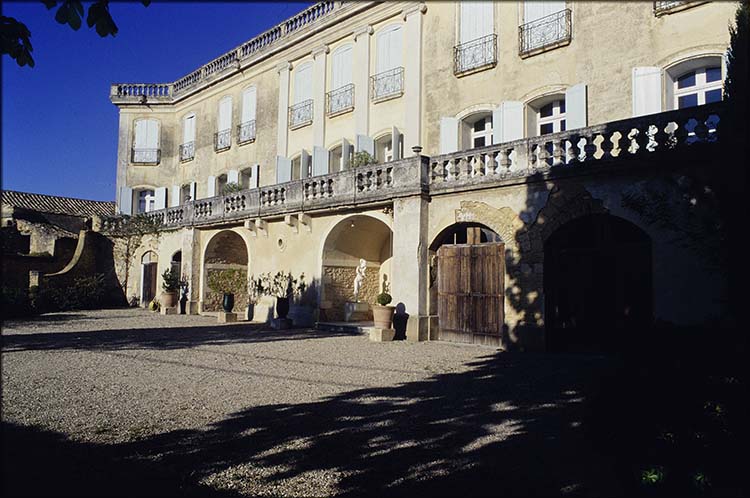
<point>477,19</point>
<point>283,169</point>
<point>174,199</point>
<point>320,161</point>
<point>396,48</point>
<point>576,107</point>
<point>533,10</point>
<point>396,139</point>
<point>193,190</point>
<point>152,140</point>
<point>160,198</point>
<point>389,49</point>
<point>646,90</point>
<point>341,67</point>
<point>448,135</point>
<point>365,144</point>
<point>225,114</point>
<point>466,22</point>
<point>303,83</point>
<point>304,164</point>
<point>233,176</point>
<point>211,186</point>
<point>188,129</point>
<point>126,200</point>
<point>346,152</point>
<point>507,122</point>
<point>255,176</point>
<point>141,134</point>
<point>249,98</point>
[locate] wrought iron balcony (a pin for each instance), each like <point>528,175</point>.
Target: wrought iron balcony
<point>246,132</point>
<point>145,156</point>
<point>388,84</point>
<point>548,32</point>
<point>301,114</point>
<point>668,7</point>
<point>223,140</point>
<point>187,151</point>
<point>340,100</point>
<point>475,54</point>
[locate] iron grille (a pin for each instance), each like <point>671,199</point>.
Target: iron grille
<point>661,7</point>
<point>145,156</point>
<point>301,114</point>
<point>223,140</point>
<point>475,54</point>
<point>187,151</point>
<point>340,100</point>
<point>545,32</point>
<point>387,84</point>
<point>246,132</point>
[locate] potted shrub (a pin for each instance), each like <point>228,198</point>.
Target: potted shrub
<point>255,290</point>
<point>227,282</point>
<point>382,314</point>
<point>281,286</point>
<point>363,158</point>
<point>170,286</point>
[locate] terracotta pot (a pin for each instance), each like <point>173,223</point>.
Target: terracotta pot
<point>383,316</point>
<point>168,299</point>
<point>228,302</point>
<point>282,306</point>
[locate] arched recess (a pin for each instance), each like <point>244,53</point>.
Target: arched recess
<point>467,284</point>
<point>149,272</point>
<point>175,264</point>
<point>226,250</point>
<point>351,239</point>
<point>597,283</point>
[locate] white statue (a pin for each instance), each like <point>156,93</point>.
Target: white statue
<point>359,278</point>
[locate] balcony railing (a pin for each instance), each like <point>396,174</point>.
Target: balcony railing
<point>388,84</point>
<point>187,151</point>
<point>476,54</point>
<point>145,156</point>
<point>340,100</point>
<point>548,32</point>
<point>246,132</point>
<point>223,140</point>
<point>301,114</point>
<point>661,8</point>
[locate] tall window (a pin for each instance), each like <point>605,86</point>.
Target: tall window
<point>389,78</point>
<point>480,133</point>
<point>301,112</point>
<point>698,87</point>
<point>146,200</point>
<point>223,137</point>
<point>476,36</point>
<point>246,130</point>
<point>551,117</point>
<point>341,96</point>
<point>187,148</point>
<point>545,24</point>
<point>146,142</point>
<point>384,148</point>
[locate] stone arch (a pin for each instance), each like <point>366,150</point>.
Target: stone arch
<point>149,263</point>
<point>349,240</point>
<point>225,250</point>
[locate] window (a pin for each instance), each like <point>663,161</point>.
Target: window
<point>476,131</point>
<point>246,178</point>
<point>477,42</point>
<point>223,136</point>
<point>185,194</point>
<point>698,87</point>
<point>551,117</point>
<point>146,200</point>
<point>384,149</point>
<point>187,148</point>
<point>301,113</point>
<point>296,165</point>
<point>246,128</point>
<point>546,24</point>
<point>341,97</point>
<point>146,142</point>
<point>221,182</point>
<point>388,81</point>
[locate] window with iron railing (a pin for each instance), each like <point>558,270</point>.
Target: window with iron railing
<point>145,156</point>
<point>246,132</point>
<point>301,114</point>
<point>544,33</point>
<point>223,140</point>
<point>340,100</point>
<point>187,151</point>
<point>388,84</point>
<point>476,54</point>
<point>664,7</point>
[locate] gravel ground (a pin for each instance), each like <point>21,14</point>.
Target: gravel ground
<point>129,402</point>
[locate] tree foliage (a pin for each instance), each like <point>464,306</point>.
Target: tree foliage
<point>15,37</point>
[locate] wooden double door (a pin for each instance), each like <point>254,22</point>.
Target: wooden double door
<point>471,292</point>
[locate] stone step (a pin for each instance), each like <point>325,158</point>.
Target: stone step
<point>349,327</point>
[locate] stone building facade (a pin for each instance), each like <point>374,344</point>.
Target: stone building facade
<point>523,124</point>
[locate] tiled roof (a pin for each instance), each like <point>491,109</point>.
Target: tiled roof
<point>57,205</point>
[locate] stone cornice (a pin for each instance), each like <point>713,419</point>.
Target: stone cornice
<point>320,50</point>
<point>362,30</point>
<point>284,66</point>
<point>419,8</point>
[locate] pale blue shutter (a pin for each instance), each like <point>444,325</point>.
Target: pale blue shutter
<point>320,161</point>
<point>507,122</point>
<point>448,135</point>
<point>646,90</point>
<point>283,169</point>
<point>576,107</point>
<point>365,144</point>
<point>126,201</point>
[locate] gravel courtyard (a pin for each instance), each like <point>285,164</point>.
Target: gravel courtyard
<point>129,402</point>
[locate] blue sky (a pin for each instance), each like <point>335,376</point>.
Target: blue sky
<point>59,129</point>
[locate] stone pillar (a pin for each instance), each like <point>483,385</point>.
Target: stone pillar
<point>283,118</point>
<point>361,79</point>
<point>319,94</point>
<point>413,75</point>
<point>123,156</point>
<point>191,267</point>
<point>410,264</point>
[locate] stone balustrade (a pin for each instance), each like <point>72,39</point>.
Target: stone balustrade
<point>621,143</point>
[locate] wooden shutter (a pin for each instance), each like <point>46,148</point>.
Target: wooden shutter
<point>174,198</point>
<point>160,198</point>
<point>346,152</point>
<point>304,164</point>
<point>389,49</point>
<point>448,135</point>
<point>477,19</point>
<point>126,201</point>
<point>396,139</point>
<point>233,176</point>
<point>193,191</point>
<point>646,90</point>
<point>283,169</point>
<point>255,176</point>
<point>211,186</point>
<point>507,122</point>
<point>365,144</point>
<point>576,107</point>
<point>225,114</point>
<point>303,83</point>
<point>188,129</point>
<point>249,98</point>
<point>341,67</point>
<point>319,161</point>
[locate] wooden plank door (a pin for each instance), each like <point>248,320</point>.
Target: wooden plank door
<point>470,292</point>
<point>149,282</point>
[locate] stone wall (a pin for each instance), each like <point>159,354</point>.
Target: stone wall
<point>339,288</point>
<point>213,300</point>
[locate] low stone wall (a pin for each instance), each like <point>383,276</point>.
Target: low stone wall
<point>339,288</point>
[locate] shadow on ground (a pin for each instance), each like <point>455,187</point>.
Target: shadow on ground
<point>509,425</point>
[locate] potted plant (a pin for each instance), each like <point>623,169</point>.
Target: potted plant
<point>281,286</point>
<point>228,282</point>
<point>363,158</point>
<point>170,286</point>
<point>255,290</point>
<point>382,314</point>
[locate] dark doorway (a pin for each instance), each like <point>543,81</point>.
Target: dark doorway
<point>149,282</point>
<point>597,284</point>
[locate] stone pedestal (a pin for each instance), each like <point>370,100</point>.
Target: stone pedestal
<point>193,308</point>
<point>381,335</point>
<point>171,310</point>
<point>281,323</point>
<point>356,312</point>
<point>225,317</point>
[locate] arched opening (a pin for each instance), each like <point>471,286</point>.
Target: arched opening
<point>597,283</point>
<point>225,251</point>
<point>476,130</point>
<point>149,267</point>
<point>354,238</point>
<point>467,284</point>
<point>176,264</point>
